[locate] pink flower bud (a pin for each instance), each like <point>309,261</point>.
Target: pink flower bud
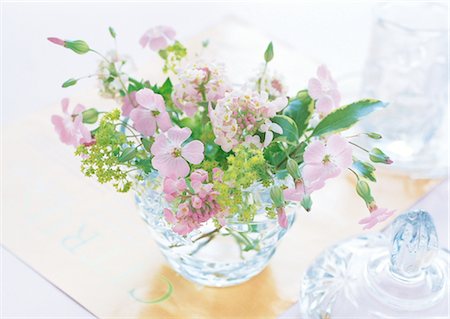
<point>196,202</point>
<point>56,41</point>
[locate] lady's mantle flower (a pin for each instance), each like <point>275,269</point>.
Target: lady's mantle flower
<point>171,157</point>
<point>158,38</point>
<point>70,128</point>
<point>150,112</point>
<point>325,159</point>
<point>199,81</point>
<point>377,215</point>
<point>237,119</point>
<point>324,90</point>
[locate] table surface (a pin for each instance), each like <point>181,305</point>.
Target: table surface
<point>24,292</point>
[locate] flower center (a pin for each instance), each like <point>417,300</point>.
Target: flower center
<point>326,159</point>
<point>176,152</point>
<point>155,113</point>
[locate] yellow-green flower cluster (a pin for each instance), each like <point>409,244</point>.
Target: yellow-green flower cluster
<point>246,167</point>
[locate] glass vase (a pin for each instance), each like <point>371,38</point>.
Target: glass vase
<point>210,255</point>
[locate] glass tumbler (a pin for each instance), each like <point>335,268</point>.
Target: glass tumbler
<point>407,66</point>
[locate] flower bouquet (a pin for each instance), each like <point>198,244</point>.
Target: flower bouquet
<point>219,170</point>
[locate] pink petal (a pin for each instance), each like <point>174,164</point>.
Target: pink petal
<point>78,109</point>
<point>146,98</point>
<point>282,219</point>
<point>169,32</point>
<point>143,121</point>
<point>193,152</point>
<point>143,41</point>
<point>344,160</point>
<point>167,165</point>
<point>178,135</point>
<point>323,73</point>
<point>293,194</point>
<point>336,144</point>
<point>164,122</point>
<point>169,186</point>
<point>86,134</point>
<point>65,105</point>
<point>128,104</point>
<point>335,96</point>
<point>315,88</point>
<point>314,153</point>
<point>169,216</point>
<point>312,172</point>
<point>324,105</point>
<point>158,43</point>
<point>161,146</point>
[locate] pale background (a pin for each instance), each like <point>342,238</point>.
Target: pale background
<point>33,70</point>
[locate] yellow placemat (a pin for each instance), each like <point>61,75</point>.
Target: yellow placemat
<point>91,243</point>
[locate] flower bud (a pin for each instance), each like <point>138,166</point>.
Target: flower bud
<point>69,82</point>
<point>90,116</point>
<point>276,194</point>
<point>363,190</point>
<point>377,156</point>
<point>268,54</point>
<point>56,41</point>
<point>292,168</point>
<point>307,202</point>
<point>77,46</point>
<point>374,135</point>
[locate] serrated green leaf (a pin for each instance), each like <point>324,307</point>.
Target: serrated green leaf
<point>127,154</point>
<point>288,125</point>
<point>300,109</point>
<point>344,117</point>
<point>268,54</point>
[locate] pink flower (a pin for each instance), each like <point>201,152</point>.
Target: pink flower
<point>158,38</point>
<point>172,187</point>
<point>199,175</point>
<point>324,90</point>
<point>209,77</point>
<point>171,157</point>
<point>70,128</point>
<point>282,218</point>
<point>196,202</point>
<point>324,160</point>
<point>377,215</point>
<point>150,113</point>
<point>129,104</point>
<point>56,41</point>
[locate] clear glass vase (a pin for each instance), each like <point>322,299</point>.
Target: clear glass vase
<point>212,256</point>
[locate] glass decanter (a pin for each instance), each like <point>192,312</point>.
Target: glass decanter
<point>398,273</point>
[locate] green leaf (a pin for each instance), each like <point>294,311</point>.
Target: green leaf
<point>90,116</point>
<point>268,55</point>
<point>377,156</point>
<point>288,125</point>
<point>344,117</point>
<point>112,32</point>
<point>365,169</point>
<point>300,109</point>
<point>69,82</point>
<point>127,154</point>
<point>77,46</point>
<point>275,155</point>
<point>146,143</point>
